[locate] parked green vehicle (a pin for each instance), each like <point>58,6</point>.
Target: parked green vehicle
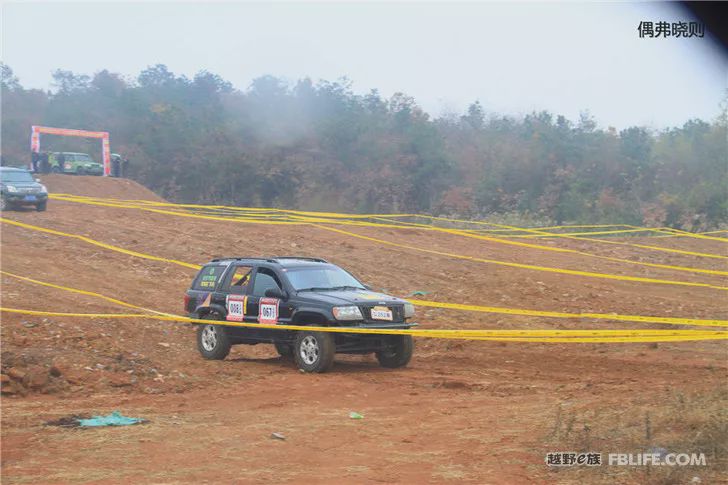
<point>76,163</point>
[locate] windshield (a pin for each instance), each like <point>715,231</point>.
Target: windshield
<point>13,176</point>
<point>322,278</point>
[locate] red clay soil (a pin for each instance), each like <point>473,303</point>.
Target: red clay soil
<point>479,412</point>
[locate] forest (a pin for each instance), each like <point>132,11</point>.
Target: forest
<point>321,146</point>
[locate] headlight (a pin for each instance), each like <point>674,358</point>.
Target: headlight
<point>347,313</point>
<point>11,188</point>
<point>43,188</point>
<point>409,310</point>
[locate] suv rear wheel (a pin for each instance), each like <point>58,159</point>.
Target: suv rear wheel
<point>212,340</point>
<point>398,352</point>
<point>314,351</point>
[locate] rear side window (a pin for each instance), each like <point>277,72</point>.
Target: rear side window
<point>239,279</point>
<point>208,278</point>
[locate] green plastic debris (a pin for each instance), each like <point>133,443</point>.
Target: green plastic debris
<point>113,419</point>
<point>355,415</point>
<point>419,293</point>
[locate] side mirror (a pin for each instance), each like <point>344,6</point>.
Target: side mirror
<point>276,293</point>
<point>37,180</point>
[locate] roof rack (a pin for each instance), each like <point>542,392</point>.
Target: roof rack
<point>304,258</point>
<point>237,258</point>
<point>268,260</point>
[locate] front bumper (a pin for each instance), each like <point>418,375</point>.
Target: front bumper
<point>387,326</point>
<point>24,199</point>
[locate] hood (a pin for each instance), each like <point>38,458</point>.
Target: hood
<point>352,297</point>
<point>23,185</point>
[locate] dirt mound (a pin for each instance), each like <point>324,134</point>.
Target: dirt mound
<point>457,413</point>
<point>91,186</point>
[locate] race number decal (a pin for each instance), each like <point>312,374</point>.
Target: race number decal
<point>236,307</point>
<point>268,310</point>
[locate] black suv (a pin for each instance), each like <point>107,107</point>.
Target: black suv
<point>296,291</point>
<point>18,187</point>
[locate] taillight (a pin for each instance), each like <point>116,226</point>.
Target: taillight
<point>187,301</point>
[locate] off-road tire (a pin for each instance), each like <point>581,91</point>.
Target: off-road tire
<point>41,207</point>
<point>55,169</point>
<point>284,350</point>
<point>314,351</point>
<point>212,340</point>
<point>80,171</point>
<point>400,353</point>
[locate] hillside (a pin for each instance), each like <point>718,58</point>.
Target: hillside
<point>458,407</point>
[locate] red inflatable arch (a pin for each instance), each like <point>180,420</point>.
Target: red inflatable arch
<point>105,150</point>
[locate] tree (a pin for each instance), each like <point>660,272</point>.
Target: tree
<point>320,145</point>
<point>7,77</point>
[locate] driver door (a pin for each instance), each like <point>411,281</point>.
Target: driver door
<point>267,310</point>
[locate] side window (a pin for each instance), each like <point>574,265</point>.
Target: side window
<point>208,278</point>
<point>264,280</point>
<point>239,279</point>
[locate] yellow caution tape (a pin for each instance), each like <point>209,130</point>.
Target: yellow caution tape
<point>587,233</point>
<point>98,243</point>
<point>550,314</point>
<point>81,292</point>
<point>519,335</point>
<point>696,235</point>
<point>303,216</point>
<point>580,253</point>
<point>551,336</point>
<point>450,231</point>
<point>444,305</point>
<point>527,266</point>
<point>541,232</point>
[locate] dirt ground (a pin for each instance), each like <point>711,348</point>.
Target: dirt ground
<point>477,412</point>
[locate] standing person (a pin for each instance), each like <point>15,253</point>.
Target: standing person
<point>61,158</point>
<point>45,166</point>
<point>115,165</point>
<point>34,161</point>
<point>125,167</point>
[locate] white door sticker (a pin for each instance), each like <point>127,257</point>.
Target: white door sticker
<point>268,310</point>
<point>236,307</point>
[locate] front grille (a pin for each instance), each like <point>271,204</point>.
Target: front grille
<point>397,313</point>
<point>28,190</point>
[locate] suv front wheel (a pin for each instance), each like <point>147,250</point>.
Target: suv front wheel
<point>212,341</point>
<point>314,351</point>
<point>398,352</point>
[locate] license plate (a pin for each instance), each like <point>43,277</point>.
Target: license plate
<point>381,313</point>
<point>30,198</point>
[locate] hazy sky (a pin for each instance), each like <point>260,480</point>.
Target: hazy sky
<point>514,57</point>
